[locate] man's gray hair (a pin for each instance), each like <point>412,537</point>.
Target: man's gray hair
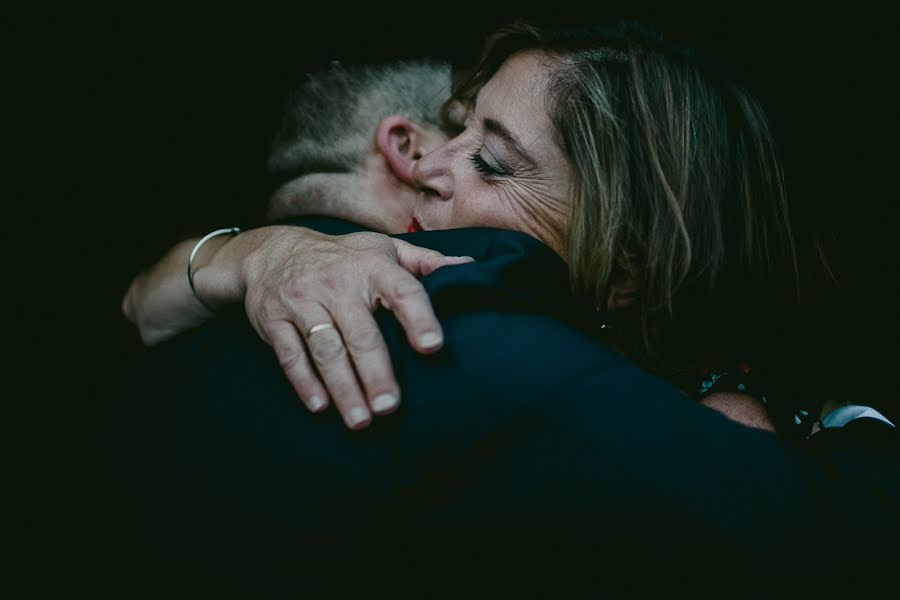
<point>329,123</point>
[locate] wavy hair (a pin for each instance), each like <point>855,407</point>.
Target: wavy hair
<point>677,185</point>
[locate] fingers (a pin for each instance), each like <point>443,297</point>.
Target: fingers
<point>370,357</point>
<point>423,261</point>
<point>404,295</point>
<point>316,314</point>
<point>332,361</point>
<point>367,350</point>
<point>289,349</point>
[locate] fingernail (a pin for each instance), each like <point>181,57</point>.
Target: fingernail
<point>464,258</point>
<point>357,416</point>
<point>429,340</point>
<point>316,403</point>
<point>384,402</point>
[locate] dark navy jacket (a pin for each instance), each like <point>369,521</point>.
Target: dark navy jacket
<point>524,443</point>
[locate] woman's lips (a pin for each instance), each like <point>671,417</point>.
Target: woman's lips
<point>414,226</point>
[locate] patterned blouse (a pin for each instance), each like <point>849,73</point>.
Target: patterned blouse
<point>792,417</point>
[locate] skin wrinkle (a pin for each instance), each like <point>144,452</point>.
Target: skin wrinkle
<point>327,156</point>
<point>606,200</point>
<point>326,191</point>
<point>313,131</point>
<point>544,212</point>
<point>535,197</point>
<point>495,127</point>
<point>654,187</point>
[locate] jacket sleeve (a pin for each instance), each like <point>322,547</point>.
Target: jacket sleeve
<point>524,442</point>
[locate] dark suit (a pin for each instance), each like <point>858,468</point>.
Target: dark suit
<point>523,443</point>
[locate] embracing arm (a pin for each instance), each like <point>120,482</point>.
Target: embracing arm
<point>311,297</point>
<point>160,302</point>
<point>265,266</point>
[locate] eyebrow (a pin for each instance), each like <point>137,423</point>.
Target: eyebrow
<point>497,128</point>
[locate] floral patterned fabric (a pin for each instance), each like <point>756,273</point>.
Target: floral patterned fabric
<point>793,418</point>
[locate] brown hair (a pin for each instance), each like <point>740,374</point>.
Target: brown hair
<point>677,183</point>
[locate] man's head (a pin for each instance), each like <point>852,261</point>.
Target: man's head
<point>349,137</point>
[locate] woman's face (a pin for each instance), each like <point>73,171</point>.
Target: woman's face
<point>504,170</point>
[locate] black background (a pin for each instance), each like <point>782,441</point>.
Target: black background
<point>132,129</point>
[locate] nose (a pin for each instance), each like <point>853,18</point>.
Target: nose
<point>432,175</point>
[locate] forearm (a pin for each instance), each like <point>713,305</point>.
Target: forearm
<point>160,302</point>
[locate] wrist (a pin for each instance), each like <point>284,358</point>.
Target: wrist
<point>216,272</point>
<point>256,249</point>
<point>248,255</point>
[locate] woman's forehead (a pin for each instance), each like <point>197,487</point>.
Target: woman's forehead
<point>520,83</point>
<point>517,97</point>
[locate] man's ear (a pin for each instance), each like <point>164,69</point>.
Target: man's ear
<point>402,142</point>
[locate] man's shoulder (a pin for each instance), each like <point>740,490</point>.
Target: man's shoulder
<point>515,337</point>
<point>513,272</point>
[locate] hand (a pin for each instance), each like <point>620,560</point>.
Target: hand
<point>297,279</point>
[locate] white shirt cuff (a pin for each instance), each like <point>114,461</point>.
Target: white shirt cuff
<point>850,412</point>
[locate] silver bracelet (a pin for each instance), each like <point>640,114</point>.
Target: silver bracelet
<point>190,265</point>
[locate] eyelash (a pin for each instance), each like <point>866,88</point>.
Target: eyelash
<point>483,167</point>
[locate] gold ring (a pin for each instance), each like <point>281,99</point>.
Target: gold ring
<point>319,327</point>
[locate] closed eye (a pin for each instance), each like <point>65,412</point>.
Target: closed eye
<point>484,167</point>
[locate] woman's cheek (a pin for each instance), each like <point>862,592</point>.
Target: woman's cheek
<point>477,212</point>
